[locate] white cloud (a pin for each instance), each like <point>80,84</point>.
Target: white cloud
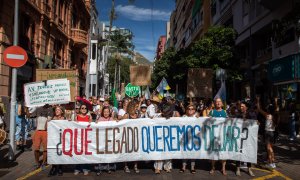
<point>142,14</point>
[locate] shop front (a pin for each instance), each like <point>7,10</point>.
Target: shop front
<point>285,76</point>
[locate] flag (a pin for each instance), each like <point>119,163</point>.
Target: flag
<point>163,85</point>
<point>222,92</point>
<point>114,98</point>
<point>147,93</point>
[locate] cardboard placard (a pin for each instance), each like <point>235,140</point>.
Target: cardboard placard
<point>140,75</point>
<point>199,83</point>
<point>71,75</point>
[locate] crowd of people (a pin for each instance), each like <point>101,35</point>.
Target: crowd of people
<point>99,109</point>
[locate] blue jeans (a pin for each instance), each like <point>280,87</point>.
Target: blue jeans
<point>292,126</point>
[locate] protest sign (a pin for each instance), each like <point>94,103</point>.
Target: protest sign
<point>140,75</point>
<point>47,92</point>
<point>132,91</point>
<point>199,83</point>
<point>71,75</point>
<point>152,139</point>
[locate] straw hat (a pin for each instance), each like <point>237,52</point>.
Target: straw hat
<point>155,99</point>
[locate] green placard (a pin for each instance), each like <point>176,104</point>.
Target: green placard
<point>132,91</point>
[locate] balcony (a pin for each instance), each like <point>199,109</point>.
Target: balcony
<point>79,37</point>
<point>46,9</point>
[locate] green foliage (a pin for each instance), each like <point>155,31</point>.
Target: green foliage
<point>125,63</point>
<point>214,50</point>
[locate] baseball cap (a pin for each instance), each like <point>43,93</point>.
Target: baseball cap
<point>102,99</point>
<point>143,106</point>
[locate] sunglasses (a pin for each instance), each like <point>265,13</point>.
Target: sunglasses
<point>191,109</point>
<point>82,108</point>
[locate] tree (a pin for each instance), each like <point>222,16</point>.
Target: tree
<point>112,17</point>
<point>124,71</point>
<point>214,50</point>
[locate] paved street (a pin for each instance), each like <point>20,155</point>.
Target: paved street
<point>287,155</point>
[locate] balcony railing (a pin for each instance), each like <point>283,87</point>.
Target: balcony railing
<point>46,9</point>
<point>79,37</point>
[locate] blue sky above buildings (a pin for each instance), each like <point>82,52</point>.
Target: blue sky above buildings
<point>145,18</point>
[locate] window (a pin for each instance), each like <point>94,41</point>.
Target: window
<point>246,8</point>
<point>94,49</point>
<point>213,7</point>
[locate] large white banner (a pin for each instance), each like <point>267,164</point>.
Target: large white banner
<point>152,139</point>
<point>55,91</point>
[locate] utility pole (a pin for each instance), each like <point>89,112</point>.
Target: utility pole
<point>88,77</point>
<point>12,128</point>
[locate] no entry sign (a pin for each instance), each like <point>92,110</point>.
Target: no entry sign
<point>15,56</point>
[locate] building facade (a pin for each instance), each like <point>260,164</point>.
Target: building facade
<point>267,46</point>
<point>188,22</point>
<point>160,49</point>
<point>53,32</point>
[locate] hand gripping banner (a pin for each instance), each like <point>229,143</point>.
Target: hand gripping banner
<point>72,142</point>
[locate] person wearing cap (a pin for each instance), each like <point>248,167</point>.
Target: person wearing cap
<point>167,111</point>
<point>143,111</point>
<point>244,114</point>
<point>152,108</point>
<point>190,111</point>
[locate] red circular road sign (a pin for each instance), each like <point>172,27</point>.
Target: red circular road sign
<point>15,56</point>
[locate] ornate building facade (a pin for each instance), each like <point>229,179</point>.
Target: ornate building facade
<point>53,32</point>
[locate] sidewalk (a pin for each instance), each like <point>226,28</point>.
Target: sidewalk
<point>287,155</point>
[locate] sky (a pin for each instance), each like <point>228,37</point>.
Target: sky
<point>147,20</point>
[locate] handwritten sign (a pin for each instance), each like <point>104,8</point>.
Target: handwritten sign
<point>71,75</point>
<point>199,83</point>
<point>140,75</point>
<point>152,139</point>
<point>132,91</point>
<point>47,92</point>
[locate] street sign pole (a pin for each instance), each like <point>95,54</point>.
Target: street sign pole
<point>12,149</point>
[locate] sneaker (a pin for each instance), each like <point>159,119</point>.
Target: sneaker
<point>298,136</point>
<point>43,167</point>
<point>251,172</point>
<point>76,172</point>
<point>157,171</point>
<point>126,169</point>
<point>36,166</point>
<point>273,165</point>
<point>85,173</point>
<point>291,139</point>
<point>238,172</point>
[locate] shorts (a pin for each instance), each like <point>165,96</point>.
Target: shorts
<point>269,137</point>
<point>39,139</point>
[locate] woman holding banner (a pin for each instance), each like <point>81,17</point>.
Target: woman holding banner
<point>244,115</point>
<point>82,117</point>
<point>168,111</point>
<point>132,113</point>
<point>59,114</point>
<point>106,115</point>
<point>190,111</point>
<point>218,112</point>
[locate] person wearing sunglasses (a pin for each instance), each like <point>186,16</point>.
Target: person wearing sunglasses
<point>82,117</point>
<point>190,111</point>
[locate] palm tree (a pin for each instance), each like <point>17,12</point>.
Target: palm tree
<point>121,43</point>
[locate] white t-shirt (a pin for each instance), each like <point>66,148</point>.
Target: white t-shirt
<point>270,126</point>
<point>151,110</point>
<point>121,112</point>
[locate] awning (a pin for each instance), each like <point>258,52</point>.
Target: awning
<point>285,69</point>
